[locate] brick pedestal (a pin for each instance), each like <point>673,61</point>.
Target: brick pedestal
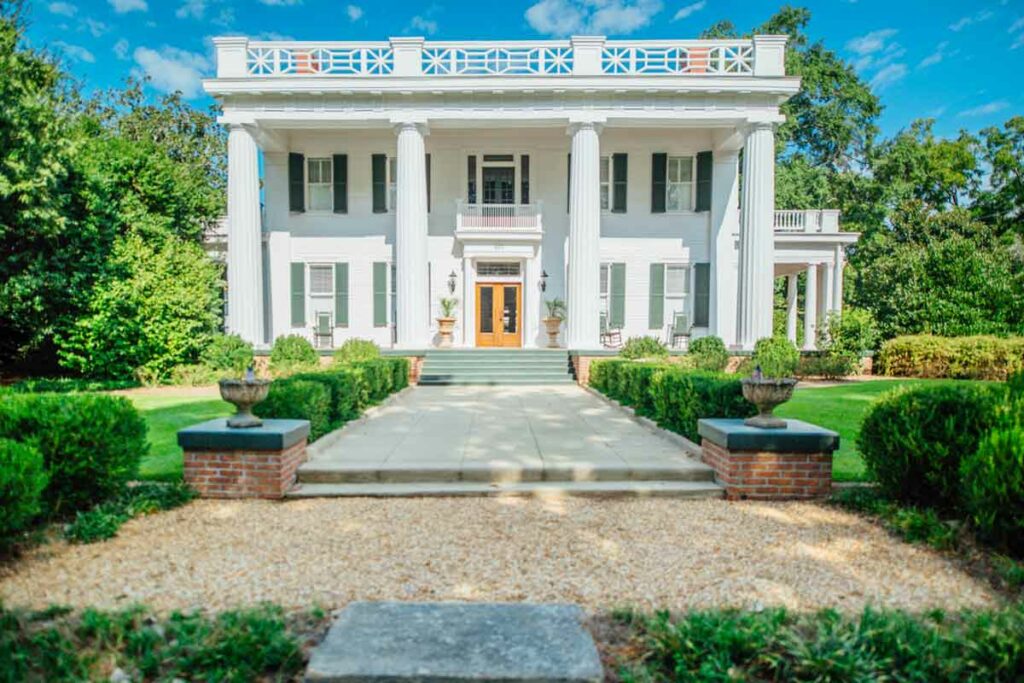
<point>260,462</point>
<point>769,464</point>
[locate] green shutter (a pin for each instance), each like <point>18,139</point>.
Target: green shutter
<point>704,170</point>
<point>296,182</point>
<point>340,183</point>
<point>379,163</point>
<point>659,173</point>
<point>298,295</point>
<point>380,294</point>
<point>617,291</point>
<point>702,295</point>
<point>656,310</point>
<point>341,294</point>
<point>619,183</point>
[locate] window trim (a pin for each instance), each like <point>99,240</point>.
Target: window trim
<point>515,165</point>
<point>669,156</point>
<point>307,184</point>
<point>687,296</point>
<point>604,287</point>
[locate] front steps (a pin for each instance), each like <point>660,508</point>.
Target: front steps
<point>495,367</point>
<point>618,489</point>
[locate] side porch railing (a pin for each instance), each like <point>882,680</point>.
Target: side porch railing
<point>807,220</point>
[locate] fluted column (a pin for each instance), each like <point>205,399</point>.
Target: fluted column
<point>837,280</point>
<point>245,251</point>
<point>811,307</point>
<point>583,291</point>
<point>411,287</point>
<point>757,248</point>
<point>791,285</point>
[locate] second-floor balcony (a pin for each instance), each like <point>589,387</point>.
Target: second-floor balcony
<point>515,221</point>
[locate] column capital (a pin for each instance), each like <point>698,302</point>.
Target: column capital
<point>595,124</point>
<point>400,124</point>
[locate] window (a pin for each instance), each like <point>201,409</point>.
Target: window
<point>319,184</point>
<point>679,188</point>
<point>392,182</point>
<point>605,286</point>
<point>606,184</point>
<point>321,281</point>
<point>497,269</point>
<point>677,289</point>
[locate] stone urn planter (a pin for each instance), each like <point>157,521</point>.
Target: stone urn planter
<point>767,393</point>
<point>244,394</point>
<point>552,326</point>
<point>445,329</point>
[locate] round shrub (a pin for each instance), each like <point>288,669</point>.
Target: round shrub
<point>913,441</point>
<point>227,352</point>
<point>292,352</point>
<point>776,356</point>
<point>22,480</point>
<point>355,350</point>
<point>643,347</point>
<point>993,479</point>
<point>709,353</point>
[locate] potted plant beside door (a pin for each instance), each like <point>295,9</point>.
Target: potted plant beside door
<point>446,323</point>
<point>553,323</point>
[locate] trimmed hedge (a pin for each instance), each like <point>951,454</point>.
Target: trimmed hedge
<point>981,357</point>
<point>674,397</point>
<point>22,481</point>
<point>299,399</point>
<point>994,488</point>
<point>91,444</point>
<point>66,385</point>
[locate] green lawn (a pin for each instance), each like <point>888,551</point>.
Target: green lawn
<point>166,413</point>
<point>841,408</point>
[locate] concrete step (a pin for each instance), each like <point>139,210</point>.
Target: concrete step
<point>633,489</point>
<point>490,381</point>
<point>497,362</point>
<point>502,373</point>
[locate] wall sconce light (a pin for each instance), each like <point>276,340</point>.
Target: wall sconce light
<point>451,282</point>
<point>543,280</point>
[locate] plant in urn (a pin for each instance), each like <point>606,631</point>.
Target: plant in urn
<point>244,394</point>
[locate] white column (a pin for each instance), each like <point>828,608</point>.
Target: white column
<point>245,250</point>
<point>837,279</point>
<point>583,293</point>
<point>791,285</point>
<point>824,292</point>
<point>811,307</point>
<point>757,248</point>
<point>413,302</point>
<point>724,226</point>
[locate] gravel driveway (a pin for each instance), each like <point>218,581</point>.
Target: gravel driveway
<point>598,553</point>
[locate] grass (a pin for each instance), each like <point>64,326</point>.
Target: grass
<point>166,413</point>
<point>841,408</point>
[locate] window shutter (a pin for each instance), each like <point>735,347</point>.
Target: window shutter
<point>524,179</point>
<point>298,294</point>
<point>617,292</point>
<point>296,182</point>
<point>619,183</point>
<point>380,294</point>
<point>702,295</point>
<point>704,170</point>
<point>341,294</point>
<point>656,309</point>
<point>378,164</point>
<point>568,183</point>
<point>659,173</point>
<point>340,183</point>
<point>471,179</point>
<point>427,166</point>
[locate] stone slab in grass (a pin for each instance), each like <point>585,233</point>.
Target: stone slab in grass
<point>454,641</point>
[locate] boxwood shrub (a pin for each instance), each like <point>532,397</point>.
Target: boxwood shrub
<point>291,353</point>
<point>343,385</point>
<point>979,357</point>
<point>299,399</point>
<point>913,441</point>
<point>22,480</point>
<point>709,354</point>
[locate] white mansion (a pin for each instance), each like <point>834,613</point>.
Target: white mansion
<point>369,180</point>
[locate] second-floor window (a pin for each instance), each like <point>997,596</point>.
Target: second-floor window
<point>319,183</point>
<point>679,188</point>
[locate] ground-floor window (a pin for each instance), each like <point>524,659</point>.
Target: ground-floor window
<point>677,290</point>
<point>605,288</point>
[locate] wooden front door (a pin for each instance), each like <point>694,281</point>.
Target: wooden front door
<point>499,319</point>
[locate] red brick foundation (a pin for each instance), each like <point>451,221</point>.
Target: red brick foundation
<point>243,474</point>
<point>769,475</point>
<point>581,368</point>
<point>415,366</point>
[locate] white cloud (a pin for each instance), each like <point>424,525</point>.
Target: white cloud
<point>888,75</point>
<point>977,18</point>
<point>123,6</point>
<point>935,57</point>
<point>1014,28</point>
<point>355,12</point>
<point>65,9</point>
<point>872,42</point>
<point>985,109</point>
<point>419,23</point>
<point>121,48</point>
<point>191,8</point>
<point>565,17</point>
<point>689,9</point>
<point>172,69</point>
<point>96,28</point>
<point>281,3</point>
<point>75,52</point>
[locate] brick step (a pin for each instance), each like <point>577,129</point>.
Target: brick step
<point>627,489</point>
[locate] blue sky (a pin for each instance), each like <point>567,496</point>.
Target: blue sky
<point>961,63</point>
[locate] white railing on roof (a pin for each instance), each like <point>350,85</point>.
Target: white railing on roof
<point>501,218</point>
<point>320,61</point>
<point>679,59</point>
<point>481,60</point>
<point>807,220</point>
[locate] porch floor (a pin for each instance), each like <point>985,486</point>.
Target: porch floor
<point>474,440</point>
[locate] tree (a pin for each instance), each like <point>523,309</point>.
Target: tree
<point>1002,204</point>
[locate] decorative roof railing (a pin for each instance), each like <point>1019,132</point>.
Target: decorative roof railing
<point>807,220</point>
<point>578,56</point>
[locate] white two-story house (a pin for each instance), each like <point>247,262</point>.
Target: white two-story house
<point>632,179</point>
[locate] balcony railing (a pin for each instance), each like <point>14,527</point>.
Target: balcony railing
<point>498,218</point>
<point>807,220</point>
<point>578,56</point>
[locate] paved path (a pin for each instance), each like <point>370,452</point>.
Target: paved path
<point>545,431</point>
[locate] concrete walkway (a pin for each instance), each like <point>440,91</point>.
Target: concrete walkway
<point>499,435</point>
